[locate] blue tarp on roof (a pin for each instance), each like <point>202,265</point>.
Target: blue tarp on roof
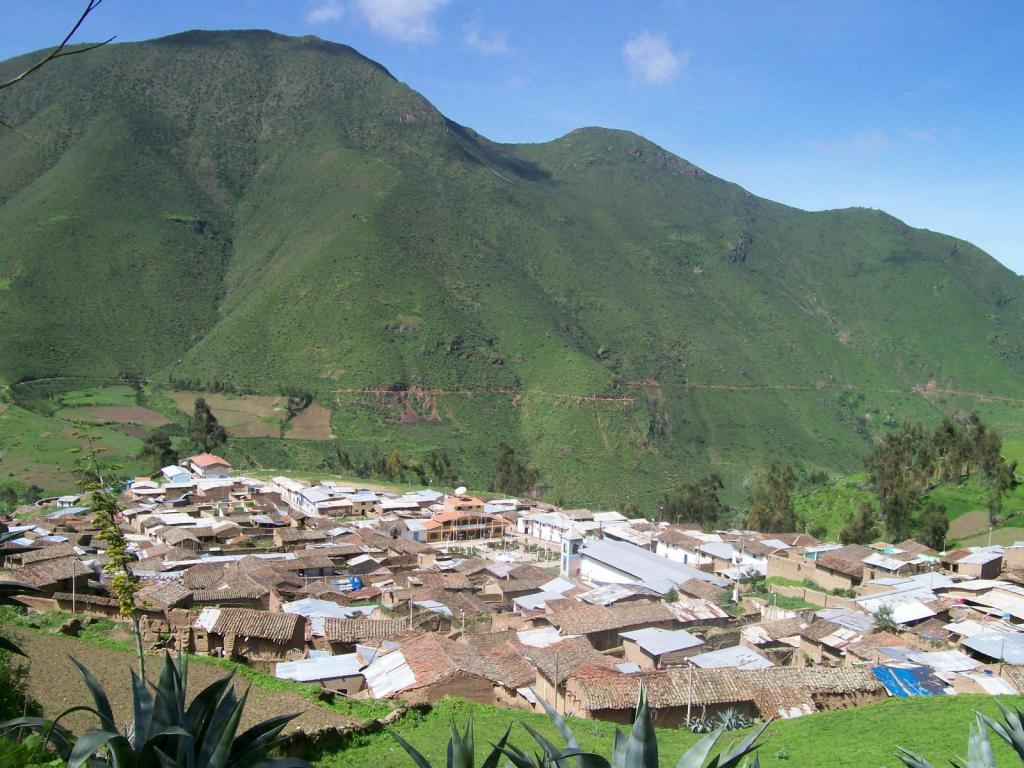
<point>909,681</point>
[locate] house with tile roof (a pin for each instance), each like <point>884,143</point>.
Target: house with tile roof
<point>253,636</point>
<point>207,465</point>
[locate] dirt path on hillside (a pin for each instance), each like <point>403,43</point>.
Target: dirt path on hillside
<point>57,685</point>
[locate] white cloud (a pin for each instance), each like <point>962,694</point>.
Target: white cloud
<point>651,58</point>
<point>495,45</point>
<point>410,21</point>
<point>325,11</point>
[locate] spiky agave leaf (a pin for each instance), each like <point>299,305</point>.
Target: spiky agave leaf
<point>568,736</point>
<point>696,755</point>
<point>1011,730</point>
<point>491,761</point>
<point>979,748</point>
<point>642,744</point>
<point>414,753</point>
<point>746,746</point>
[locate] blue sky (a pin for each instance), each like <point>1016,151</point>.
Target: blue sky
<point>913,107</point>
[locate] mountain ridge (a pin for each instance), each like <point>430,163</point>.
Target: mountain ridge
<point>268,211</point>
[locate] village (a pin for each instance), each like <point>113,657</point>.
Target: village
<point>420,595</point>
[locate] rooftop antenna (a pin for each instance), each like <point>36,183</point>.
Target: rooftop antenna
<point>460,491</point>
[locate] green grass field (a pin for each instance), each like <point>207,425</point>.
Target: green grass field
<point>865,736</point>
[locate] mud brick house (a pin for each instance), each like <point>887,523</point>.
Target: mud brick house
<point>603,626</point>
<point>978,562</point>
<point>235,589</point>
<point>777,641</point>
<point>255,636</point>
<point>162,596</point>
<point>825,642</point>
<point>52,576</point>
<point>555,663</point>
<point>839,568</point>
<point>504,591</point>
<point>654,648</point>
<point>704,693</point>
<point>94,605</point>
<point>343,635</point>
<point>428,667</point>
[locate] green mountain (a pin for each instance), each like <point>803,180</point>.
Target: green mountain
<point>270,211</point>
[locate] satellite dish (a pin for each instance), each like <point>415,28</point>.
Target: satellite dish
<point>460,490</point>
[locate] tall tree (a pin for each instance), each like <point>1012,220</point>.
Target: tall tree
<point>206,430</point>
<point>861,527</point>
<point>511,474</point>
<point>933,525</point>
<point>772,508</point>
<point>394,468</point>
<point>157,446</point>
<point>696,502</point>
<point>95,477</point>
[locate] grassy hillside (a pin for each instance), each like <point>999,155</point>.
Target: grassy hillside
<point>273,211</point>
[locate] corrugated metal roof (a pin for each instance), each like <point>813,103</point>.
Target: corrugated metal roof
<point>536,600</point>
<point>389,674</point>
<point>658,641</point>
<point>310,606</point>
<point>646,567</point>
<point>735,657</point>
<point>945,661</point>
<point>541,638</point>
<point>1005,646</point>
<point>558,584</point>
<point>318,668</point>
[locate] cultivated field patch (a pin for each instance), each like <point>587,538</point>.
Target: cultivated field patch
<point>967,524</point>
<point>314,423</point>
<point>240,415</point>
<point>115,414</point>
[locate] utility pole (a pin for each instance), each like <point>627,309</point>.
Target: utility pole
<point>556,681</point>
<point>689,692</point>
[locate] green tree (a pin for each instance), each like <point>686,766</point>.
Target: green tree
<point>512,475</point>
<point>95,478</point>
<point>884,620</point>
<point>394,468</point>
<point>206,430</point>
<point>696,502</point>
<point>772,508</point>
<point>157,446</point>
<point>933,525</point>
<point>861,527</point>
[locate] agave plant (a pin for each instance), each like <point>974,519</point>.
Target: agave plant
<point>166,731</point>
<point>637,750</point>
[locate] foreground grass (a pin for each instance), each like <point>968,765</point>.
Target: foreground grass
<point>865,736</point>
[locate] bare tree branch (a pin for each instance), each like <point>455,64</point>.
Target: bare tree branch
<point>5,124</point>
<point>60,51</point>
